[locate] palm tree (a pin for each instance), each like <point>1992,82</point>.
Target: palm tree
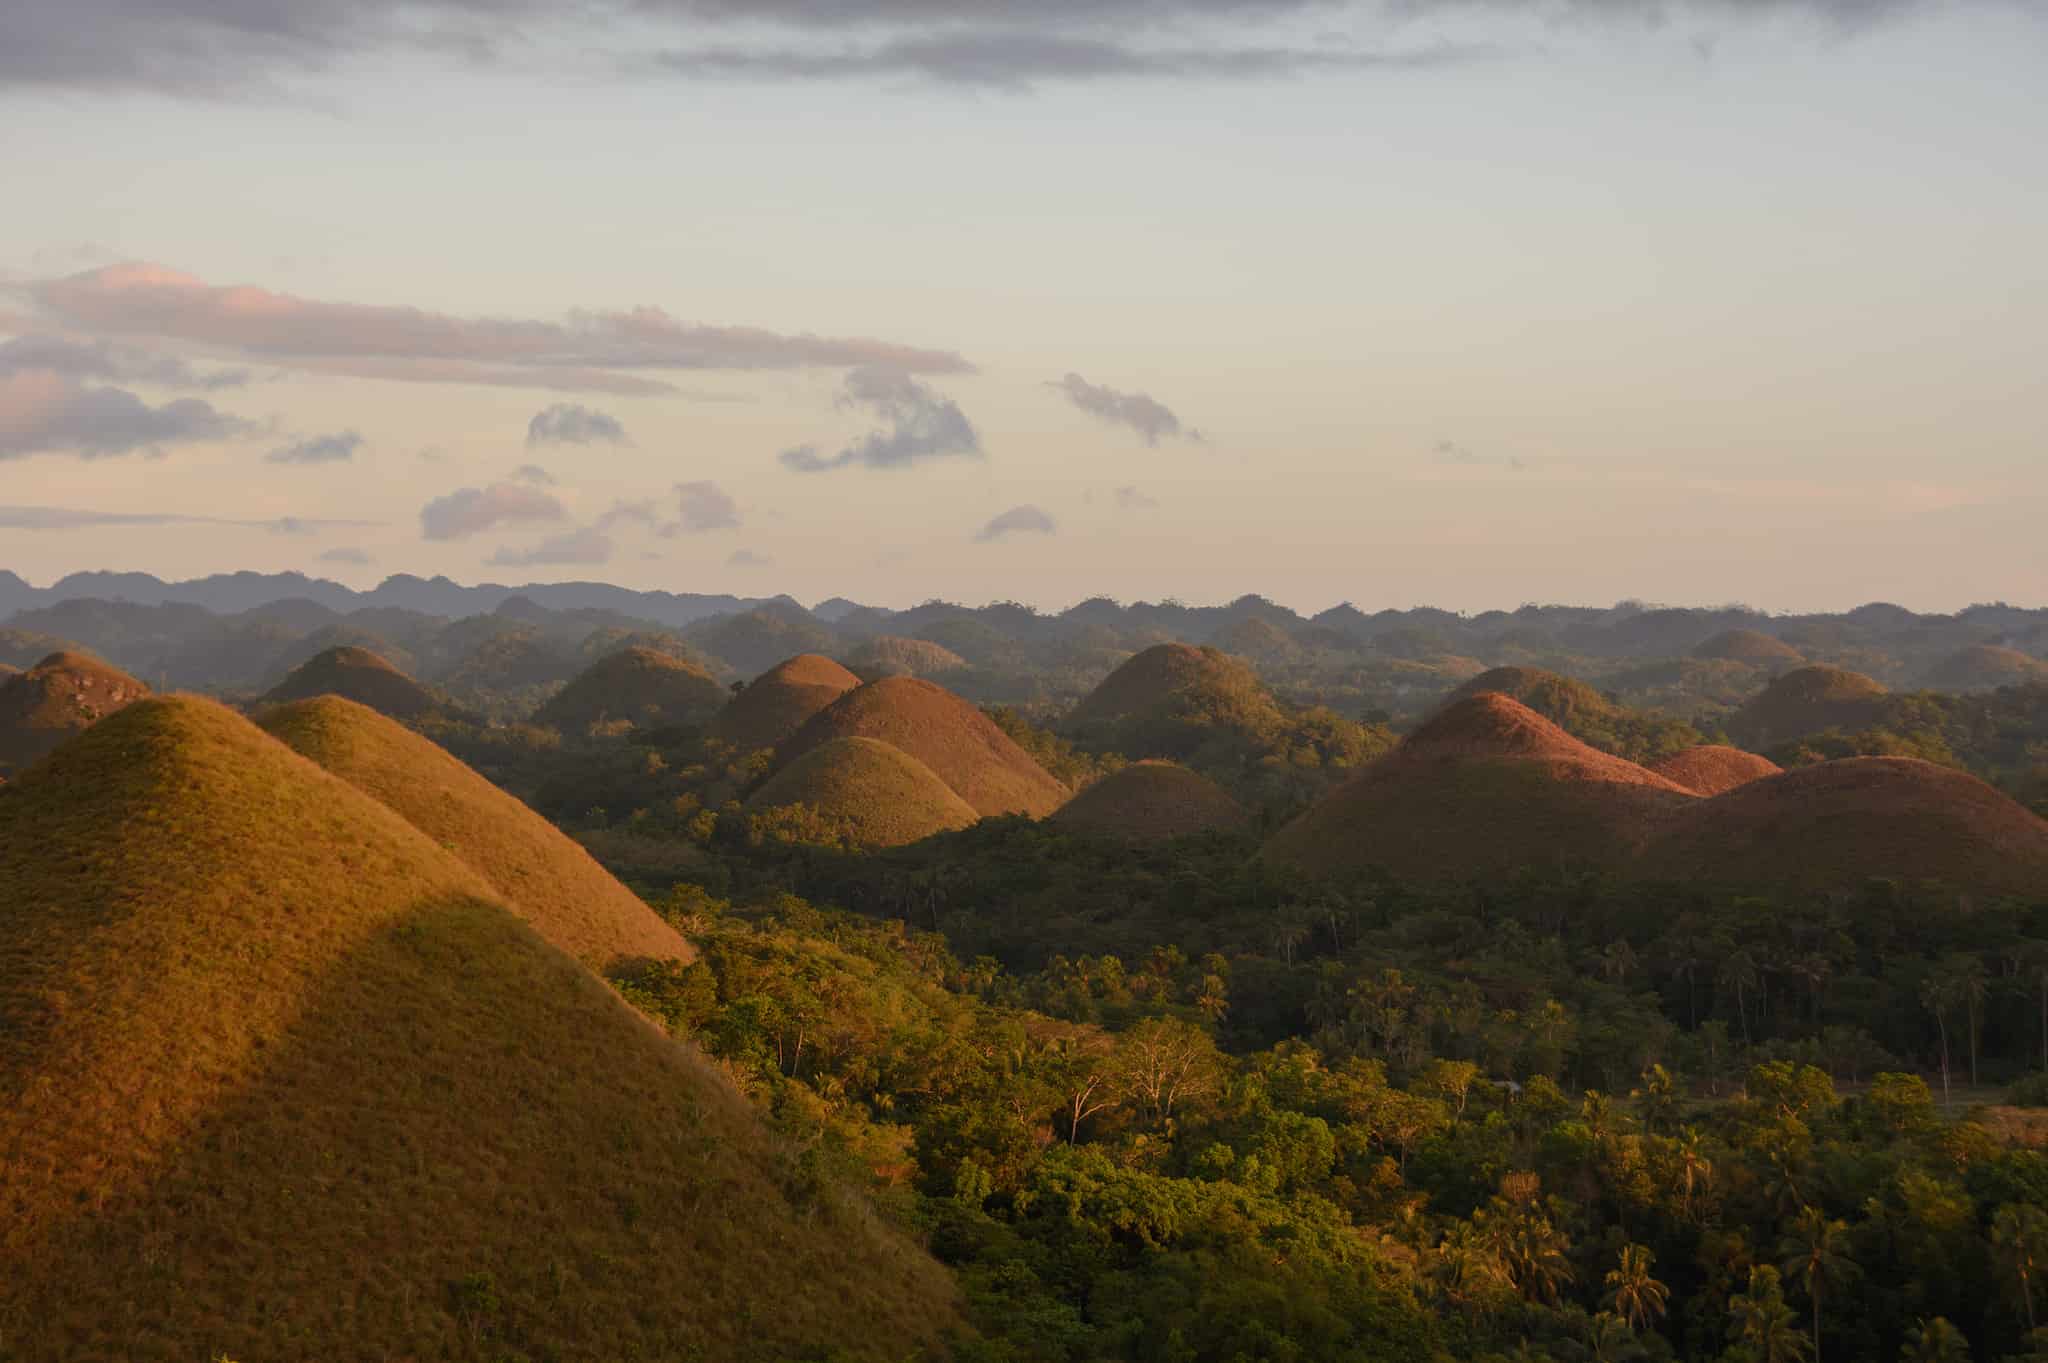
<point>1609,1340</point>
<point>1695,1172</point>
<point>1738,973</point>
<point>2019,1233</point>
<point>1937,995</point>
<point>1634,1295</point>
<point>1763,1323</point>
<point>1816,1259</point>
<point>1935,1341</point>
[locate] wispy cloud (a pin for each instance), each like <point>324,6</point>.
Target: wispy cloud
<point>338,448</point>
<point>343,554</point>
<point>588,545</point>
<point>43,412</point>
<point>534,474</point>
<point>701,507</point>
<point>1018,520</point>
<point>1151,419</point>
<point>567,423</point>
<point>79,518</point>
<point>918,423</point>
<point>747,558</point>
<point>473,510</point>
<point>1131,499</point>
<point>82,359</point>
<point>1451,452</point>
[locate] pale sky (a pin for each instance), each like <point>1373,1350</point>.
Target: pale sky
<point>1460,302</point>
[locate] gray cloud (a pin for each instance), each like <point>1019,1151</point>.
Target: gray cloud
<point>337,448</point>
<point>42,412</point>
<point>747,558</point>
<point>1131,499</point>
<point>920,423</point>
<point>1018,520</point>
<point>1152,420</point>
<point>701,507</point>
<point>75,518</point>
<point>343,554</point>
<point>642,512</point>
<point>566,423</point>
<point>588,545</point>
<point>1450,452</point>
<point>472,510</point>
<point>534,474</point>
<point>77,359</point>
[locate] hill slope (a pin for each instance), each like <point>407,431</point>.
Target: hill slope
<point>359,675</point>
<point>1153,800</point>
<point>60,696</point>
<point>1712,768</point>
<point>891,655</point>
<point>1486,788</point>
<point>1983,666</point>
<point>873,793</point>
<point>636,686</point>
<point>776,704</point>
<point>280,1080</point>
<point>1747,646</point>
<point>542,874</point>
<point>1173,699</point>
<point>978,760</point>
<point>1806,701</point>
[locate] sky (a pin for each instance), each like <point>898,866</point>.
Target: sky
<point>1469,303</point>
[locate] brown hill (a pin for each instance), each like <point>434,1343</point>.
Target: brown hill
<point>535,868</point>
<point>1806,701</point>
<point>776,704</point>
<point>1158,677</point>
<point>964,746</point>
<point>62,695</point>
<point>361,676</point>
<point>637,687</point>
<point>1713,768</point>
<point>281,1080</point>
<point>1561,699</point>
<point>22,648</point>
<point>1747,646</point>
<point>1172,701</point>
<point>891,655</point>
<point>1153,800</point>
<point>1487,788</point>
<point>1983,667</point>
<point>1836,824</point>
<point>873,793</point>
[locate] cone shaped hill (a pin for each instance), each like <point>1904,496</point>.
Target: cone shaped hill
<point>1583,712</point>
<point>1713,768</point>
<point>62,695</point>
<point>1153,800</point>
<point>981,763</point>
<point>638,687</point>
<point>364,677</point>
<point>1171,699</point>
<point>1486,788</point>
<point>282,1078</point>
<point>775,705</point>
<point>1983,666</point>
<point>1806,701</point>
<point>869,793</point>
<point>537,870</point>
<point>891,655</point>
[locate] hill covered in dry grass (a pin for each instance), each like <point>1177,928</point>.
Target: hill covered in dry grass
<point>1153,800</point>
<point>869,793</point>
<point>775,704</point>
<point>892,655</point>
<point>1806,701</point>
<point>1713,768</point>
<point>61,695</point>
<point>638,688</point>
<point>355,673</point>
<point>1750,646</point>
<point>282,1079</point>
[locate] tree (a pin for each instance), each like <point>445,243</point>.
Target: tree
<point>1633,1294</point>
<point>1816,1259</point>
<point>1164,1063</point>
<point>2019,1235</point>
<point>1935,1341</point>
<point>1763,1323</point>
<point>1937,995</point>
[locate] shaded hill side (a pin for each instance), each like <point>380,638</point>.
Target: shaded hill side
<point>892,655</point>
<point>1153,800</point>
<point>1712,768</point>
<point>637,687</point>
<point>970,754</point>
<point>871,793</point>
<point>1838,824</point>
<point>22,649</point>
<point>1983,666</point>
<point>281,1080</point>
<point>1169,680</point>
<point>1748,646</point>
<point>356,674</point>
<point>62,695</point>
<point>1805,701</point>
<point>775,705</point>
<point>539,871</point>
<point>1584,713</point>
<point>1487,788</point>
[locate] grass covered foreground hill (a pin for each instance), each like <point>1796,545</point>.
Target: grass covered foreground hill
<point>534,867</point>
<point>867,793</point>
<point>359,675</point>
<point>1153,800</point>
<point>281,1078</point>
<point>60,696</point>
<point>636,688</point>
<point>775,704</point>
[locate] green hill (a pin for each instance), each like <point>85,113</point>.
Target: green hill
<point>867,793</point>
<point>891,655</point>
<point>636,688</point>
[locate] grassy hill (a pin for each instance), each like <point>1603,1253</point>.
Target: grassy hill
<point>635,687</point>
<point>1167,700</point>
<point>1748,646</point>
<point>359,675</point>
<point>891,655</point>
<point>1713,768</point>
<point>1806,701</point>
<point>775,704</point>
<point>281,1080</point>
<point>1584,713</point>
<point>21,648</point>
<point>979,761</point>
<point>62,695</point>
<point>1983,666</point>
<point>535,868</point>
<point>868,793</point>
<point>1153,800</point>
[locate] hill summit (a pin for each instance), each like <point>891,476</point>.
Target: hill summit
<point>1153,800</point>
<point>872,793</point>
<point>775,705</point>
<point>1806,701</point>
<point>62,695</point>
<point>637,687</point>
<point>357,674</point>
<point>1713,769</point>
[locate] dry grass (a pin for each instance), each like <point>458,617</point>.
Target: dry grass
<point>1487,788</point>
<point>891,655</point>
<point>1805,701</point>
<point>1714,768</point>
<point>1551,694</point>
<point>1986,665</point>
<point>875,794</point>
<point>1153,800</point>
<point>638,686</point>
<point>546,877</point>
<point>62,695</point>
<point>280,1080</point>
<point>361,676</point>
<point>969,753</point>
<point>1747,646</point>
<point>1167,676</point>
<point>776,704</point>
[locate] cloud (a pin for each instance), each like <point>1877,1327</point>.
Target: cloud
<point>919,423</point>
<point>75,518</point>
<point>338,448</point>
<point>642,512</point>
<point>565,423</point>
<point>701,507</point>
<point>343,554</point>
<point>534,474</point>
<point>473,510</point>
<point>1450,452</point>
<point>77,359</point>
<point>588,545</point>
<point>591,349</point>
<point>1152,420</point>
<point>747,558</point>
<point>1130,499</point>
<point>43,412</point>
<point>1018,520</point>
